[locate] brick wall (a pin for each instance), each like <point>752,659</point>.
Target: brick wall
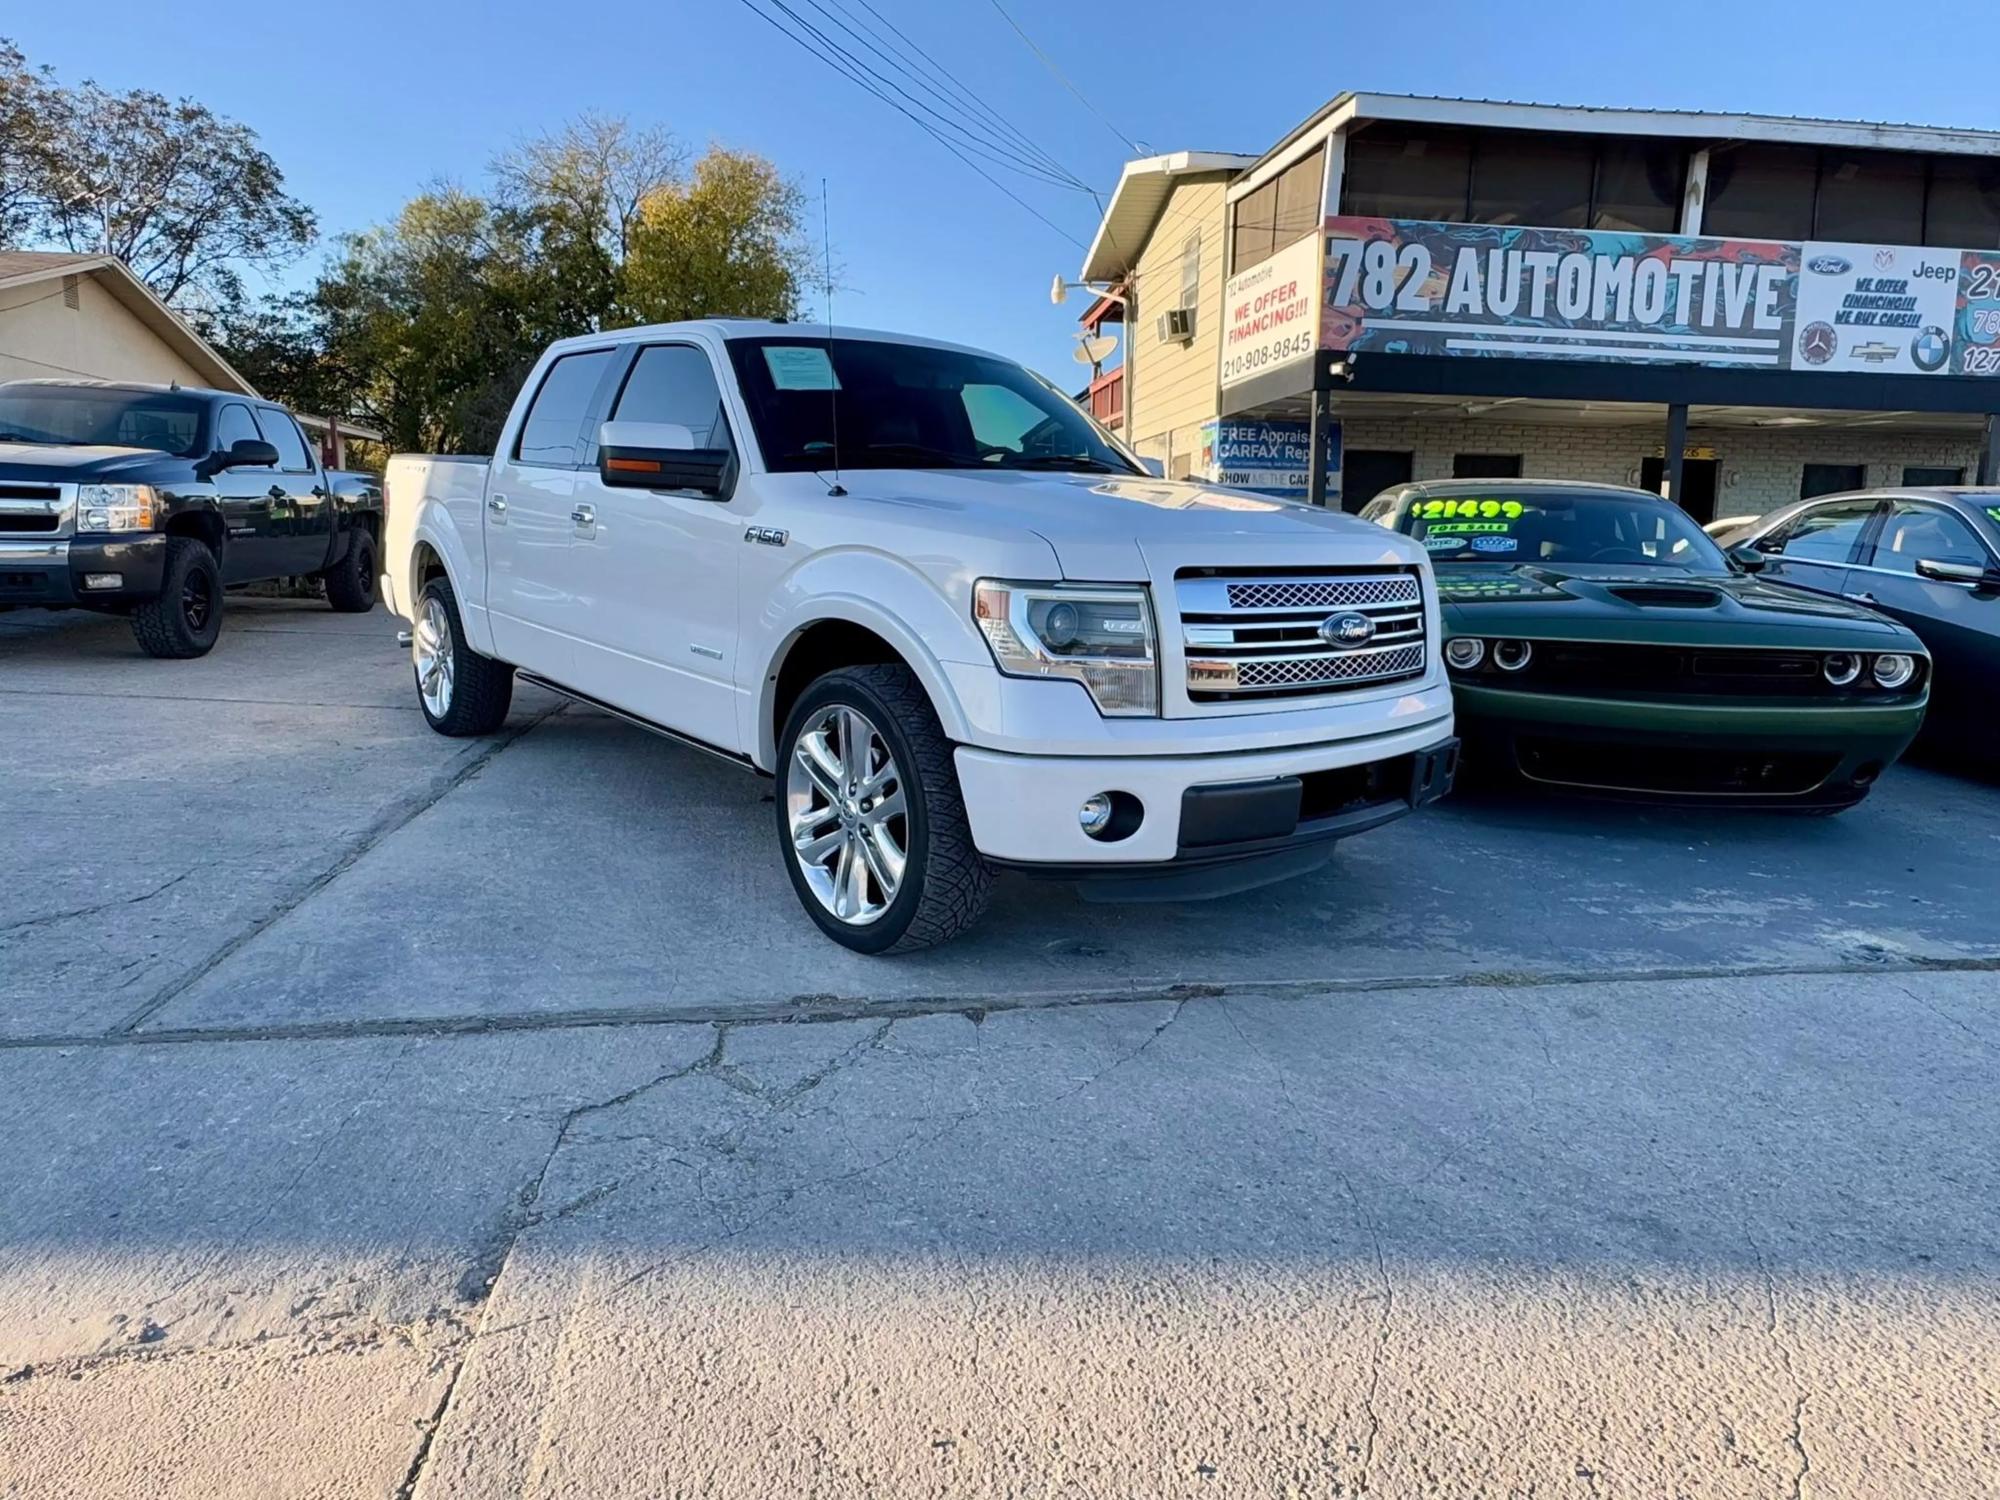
<point>1760,468</point>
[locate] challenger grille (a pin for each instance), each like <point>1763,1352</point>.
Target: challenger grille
<point>1592,670</point>
<point>1260,637</point>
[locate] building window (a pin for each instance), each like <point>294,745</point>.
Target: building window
<point>1831,479</point>
<point>1927,477</point>
<point>1406,171</point>
<point>1279,212</point>
<point>1366,472</point>
<point>1875,197</point>
<point>1191,270</point>
<point>1761,192</point>
<point>1486,466</point>
<point>1963,209</point>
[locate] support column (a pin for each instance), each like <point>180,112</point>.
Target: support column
<point>1322,417</point>
<point>1989,452</point>
<point>1676,456</point>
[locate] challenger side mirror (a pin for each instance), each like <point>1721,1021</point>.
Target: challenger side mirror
<point>1980,580</point>
<point>1748,558</point>
<point>662,456</point>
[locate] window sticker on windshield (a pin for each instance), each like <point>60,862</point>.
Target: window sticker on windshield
<point>1434,510</point>
<point>1443,543</point>
<point>1496,544</point>
<point>1467,528</point>
<point>1993,514</point>
<point>800,367</point>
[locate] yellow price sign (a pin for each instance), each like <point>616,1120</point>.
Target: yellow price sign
<point>1436,510</point>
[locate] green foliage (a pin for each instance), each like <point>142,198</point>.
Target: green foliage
<point>724,243</point>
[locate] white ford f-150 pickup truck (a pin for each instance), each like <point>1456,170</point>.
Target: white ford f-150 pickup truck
<point>959,624</point>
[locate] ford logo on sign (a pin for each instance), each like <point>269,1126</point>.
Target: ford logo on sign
<point>1347,630</point>
<point>1829,265</point>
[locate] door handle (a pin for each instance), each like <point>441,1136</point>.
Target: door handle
<point>583,515</point>
<point>1864,597</point>
<point>498,505</point>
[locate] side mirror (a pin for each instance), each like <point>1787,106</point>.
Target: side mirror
<point>247,453</point>
<point>661,456</point>
<point>1157,467</point>
<point>1980,580</point>
<point>1748,558</point>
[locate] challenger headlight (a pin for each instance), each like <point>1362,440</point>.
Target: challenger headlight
<point>1099,636</point>
<point>1894,669</point>
<point>117,507</point>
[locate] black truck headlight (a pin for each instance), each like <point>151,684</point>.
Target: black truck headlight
<point>117,507</point>
<point>1894,669</point>
<point>1101,636</point>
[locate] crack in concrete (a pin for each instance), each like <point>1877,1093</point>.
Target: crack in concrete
<point>364,1334</point>
<point>1944,1015</point>
<point>399,813</point>
<point>820,1009</point>
<point>1796,1437</point>
<point>95,907</point>
<point>476,1286</point>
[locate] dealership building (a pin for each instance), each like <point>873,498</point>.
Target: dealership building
<point>1732,309</point>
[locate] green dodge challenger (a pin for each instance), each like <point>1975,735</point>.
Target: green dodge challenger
<point>1599,642</point>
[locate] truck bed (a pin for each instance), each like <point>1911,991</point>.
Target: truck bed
<point>442,495</point>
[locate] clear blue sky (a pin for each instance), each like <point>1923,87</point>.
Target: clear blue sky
<point>363,102</point>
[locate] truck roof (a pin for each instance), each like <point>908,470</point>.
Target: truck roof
<point>141,387</point>
<point>760,328</point>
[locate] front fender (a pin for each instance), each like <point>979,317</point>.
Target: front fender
<point>881,594</point>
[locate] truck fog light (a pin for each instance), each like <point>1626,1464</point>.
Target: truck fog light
<point>1841,668</point>
<point>1894,669</point>
<point>106,581</point>
<point>1465,652</point>
<point>1511,656</point>
<point>1095,814</point>
<point>1110,817</point>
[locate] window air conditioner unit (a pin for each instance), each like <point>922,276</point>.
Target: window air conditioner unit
<point>1177,326</point>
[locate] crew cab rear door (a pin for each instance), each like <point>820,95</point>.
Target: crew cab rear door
<point>301,512</point>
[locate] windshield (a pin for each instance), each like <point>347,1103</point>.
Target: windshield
<point>90,416</point>
<point>1566,528</point>
<point>909,406</point>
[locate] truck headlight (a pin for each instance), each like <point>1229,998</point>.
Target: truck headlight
<point>1099,636</point>
<point>117,507</point>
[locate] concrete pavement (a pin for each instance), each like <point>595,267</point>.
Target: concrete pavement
<point>483,1121</point>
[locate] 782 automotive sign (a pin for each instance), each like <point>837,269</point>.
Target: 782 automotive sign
<point>1978,338</point>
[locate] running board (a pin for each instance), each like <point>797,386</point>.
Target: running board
<point>741,762</point>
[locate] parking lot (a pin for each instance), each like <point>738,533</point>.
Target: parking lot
<point>397,1115</point>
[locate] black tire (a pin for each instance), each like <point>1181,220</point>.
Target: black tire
<point>186,618</point>
<point>945,884</point>
<point>350,583</point>
<point>482,688</point>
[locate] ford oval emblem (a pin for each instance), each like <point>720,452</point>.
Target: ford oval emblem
<point>1347,630</point>
<point>1829,265</point>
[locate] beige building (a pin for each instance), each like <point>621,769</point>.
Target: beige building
<point>1452,285</point>
<point>88,316</point>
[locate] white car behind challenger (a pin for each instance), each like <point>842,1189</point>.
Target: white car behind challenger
<point>958,623</point>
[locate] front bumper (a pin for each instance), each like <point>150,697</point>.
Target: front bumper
<point>1210,824</point>
<point>50,571</point>
<point>1697,751</point>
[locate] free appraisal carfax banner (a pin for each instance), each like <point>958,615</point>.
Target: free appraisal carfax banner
<point>1488,290</point>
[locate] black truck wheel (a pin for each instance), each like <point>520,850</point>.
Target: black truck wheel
<point>187,616</point>
<point>461,692</point>
<point>350,583</point>
<point>871,825</point>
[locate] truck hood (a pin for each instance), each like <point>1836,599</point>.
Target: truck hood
<point>53,464</point>
<point>1114,528</point>
<point>1652,606</point>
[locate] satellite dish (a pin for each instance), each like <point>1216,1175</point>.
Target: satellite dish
<point>1094,351</point>
<point>1058,290</point>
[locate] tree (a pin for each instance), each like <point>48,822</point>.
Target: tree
<point>187,199</point>
<point>726,242</point>
<point>593,173</point>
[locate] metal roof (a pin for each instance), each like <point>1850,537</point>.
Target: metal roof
<point>1136,203</point>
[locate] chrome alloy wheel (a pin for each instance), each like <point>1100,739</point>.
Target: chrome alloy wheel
<point>849,821</point>
<point>430,650</point>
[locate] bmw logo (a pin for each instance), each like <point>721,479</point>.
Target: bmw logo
<point>1930,349</point>
<point>1347,630</point>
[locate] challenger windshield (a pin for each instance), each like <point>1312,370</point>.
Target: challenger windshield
<point>96,416</point>
<point>1563,528</point>
<point>910,406</point>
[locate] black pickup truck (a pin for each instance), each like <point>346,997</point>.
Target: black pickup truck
<point>149,501</point>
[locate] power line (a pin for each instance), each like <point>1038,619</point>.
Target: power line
<point>1049,63</point>
<point>850,73</point>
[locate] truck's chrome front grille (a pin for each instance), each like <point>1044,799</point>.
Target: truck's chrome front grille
<point>35,509</point>
<point>1292,636</point>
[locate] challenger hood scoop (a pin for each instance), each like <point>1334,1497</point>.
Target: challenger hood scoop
<point>1666,595</point>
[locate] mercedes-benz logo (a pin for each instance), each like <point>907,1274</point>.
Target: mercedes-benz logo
<point>1347,630</point>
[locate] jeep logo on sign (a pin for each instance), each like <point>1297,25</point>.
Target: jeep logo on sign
<point>1829,265</point>
<point>1347,630</point>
